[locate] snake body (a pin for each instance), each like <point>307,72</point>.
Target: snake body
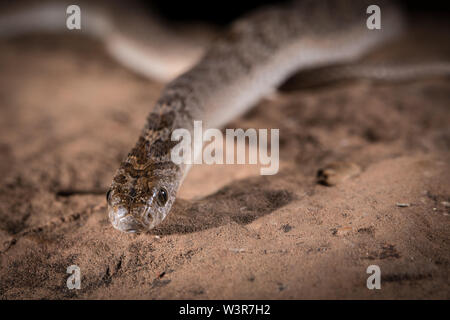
<point>251,58</point>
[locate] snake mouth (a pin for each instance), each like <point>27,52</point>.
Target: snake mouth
<point>124,221</point>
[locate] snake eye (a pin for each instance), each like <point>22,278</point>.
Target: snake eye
<point>107,195</point>
<point>162,197</point>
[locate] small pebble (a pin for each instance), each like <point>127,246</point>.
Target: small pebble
<point>337,172</point>
<point>446,204</point>
<point>341,231</point>
<point>402,205</point>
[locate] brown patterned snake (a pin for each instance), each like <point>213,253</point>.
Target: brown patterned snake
<point>255,55</point>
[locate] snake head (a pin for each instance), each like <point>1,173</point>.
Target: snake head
<point>140,199</point>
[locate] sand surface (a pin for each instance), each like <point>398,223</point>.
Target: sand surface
<point>69,114</point>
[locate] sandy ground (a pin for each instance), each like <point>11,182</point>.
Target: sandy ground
<point>69,114</point>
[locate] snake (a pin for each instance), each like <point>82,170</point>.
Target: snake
<point>222,81</point>
<point>253,56</point>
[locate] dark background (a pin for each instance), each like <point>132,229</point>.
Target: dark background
<point>224,11</point>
